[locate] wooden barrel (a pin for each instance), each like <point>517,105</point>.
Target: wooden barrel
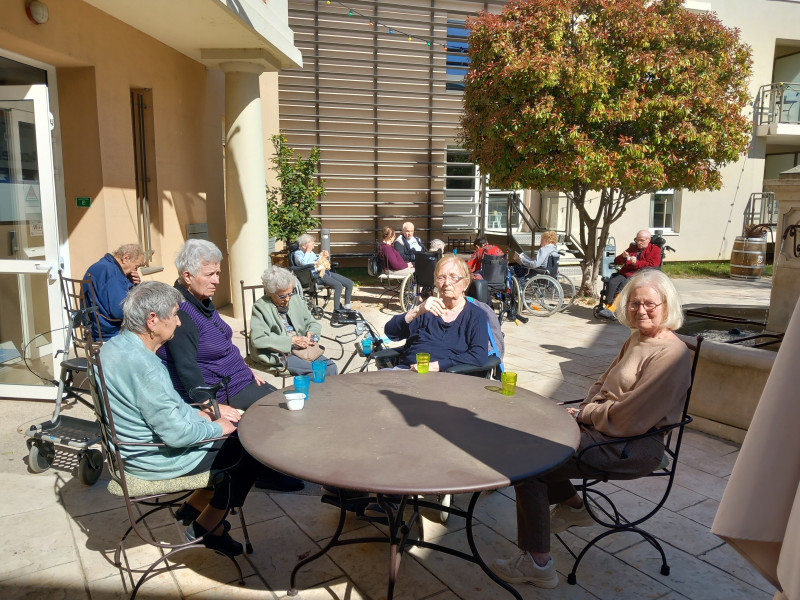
<point>748,258</point>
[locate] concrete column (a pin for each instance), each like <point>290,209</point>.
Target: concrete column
<point>786,272</point>
<point>245,178</point>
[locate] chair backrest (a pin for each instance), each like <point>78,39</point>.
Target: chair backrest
<point>374,267</point>
<point>251,293</point>
<point>293,247</point>
<point>552,264</point>
<point>81,311</point>
<point>497,343</point>
<point>494,269</point>
<point>424,266</point>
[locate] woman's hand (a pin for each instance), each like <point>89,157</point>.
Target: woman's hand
<point>259,379</point>
<point>301,341</point>
<point>228,412</point>
<point>227,427</point>
<point>574,412</point>
<point>433,305</point>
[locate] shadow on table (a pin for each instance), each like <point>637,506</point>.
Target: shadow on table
<point>512,452</point>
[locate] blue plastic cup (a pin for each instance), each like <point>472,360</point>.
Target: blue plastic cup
<point>318,370</point>
<point>301,384</point>
<point>366,346</point>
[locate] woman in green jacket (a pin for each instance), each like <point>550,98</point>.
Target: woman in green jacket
<point>281,322</point>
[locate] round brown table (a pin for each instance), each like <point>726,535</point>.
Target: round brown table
<point>402,433</point>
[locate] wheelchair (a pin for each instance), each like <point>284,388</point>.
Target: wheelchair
<point>612,268</point>
<point>504,288</point>
<point>310,286</point>
<point>546,291</point>
<point>419,285</point>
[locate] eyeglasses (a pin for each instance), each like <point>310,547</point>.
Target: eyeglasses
<point>285,296</point>
<point>451,278</point>
<point>649,305</point>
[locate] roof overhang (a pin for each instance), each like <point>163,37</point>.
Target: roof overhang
<point>214,31</point>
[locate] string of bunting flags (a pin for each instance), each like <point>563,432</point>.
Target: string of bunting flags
<point>373,22</point>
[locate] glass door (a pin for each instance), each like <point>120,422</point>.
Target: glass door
<point>32,318</point>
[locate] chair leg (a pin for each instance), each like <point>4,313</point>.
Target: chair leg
<point>247,545</point>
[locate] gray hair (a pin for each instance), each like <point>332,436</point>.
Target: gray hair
<point>132,250</point>
<point>303,239</point>
<point>194,254</point>
<point>277,278</point>
<point>673,317</point>
<point>436,245</point>
<point>145,298</point>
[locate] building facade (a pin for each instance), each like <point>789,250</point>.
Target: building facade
<point>380,93</point>
<point>125,121</point>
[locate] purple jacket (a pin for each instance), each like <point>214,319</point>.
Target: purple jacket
<point>201,352</point>
<point>390,258</point>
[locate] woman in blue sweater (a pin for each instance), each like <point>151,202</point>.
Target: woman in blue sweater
<point>146,408</point>
<point>450,329</point>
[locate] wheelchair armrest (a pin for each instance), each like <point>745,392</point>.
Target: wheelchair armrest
<point>465,369</point>
<point>206,395</point>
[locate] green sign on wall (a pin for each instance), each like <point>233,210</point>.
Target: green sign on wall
<point>84,201</point>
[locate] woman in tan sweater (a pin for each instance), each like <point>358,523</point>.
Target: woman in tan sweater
<point>645,387</point>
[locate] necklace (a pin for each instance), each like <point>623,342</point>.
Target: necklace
<point>459,305</point>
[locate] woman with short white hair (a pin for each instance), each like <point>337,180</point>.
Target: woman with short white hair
<point>305,255</point>
<point>281,322</point>
<point>644,388</point>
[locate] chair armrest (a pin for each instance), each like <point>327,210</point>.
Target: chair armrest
<point>206,395</point>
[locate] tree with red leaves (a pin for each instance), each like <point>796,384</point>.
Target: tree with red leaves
<point>604,101</point>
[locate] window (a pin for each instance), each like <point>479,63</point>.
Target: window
<point>663,209</point>
<point>457,59</point>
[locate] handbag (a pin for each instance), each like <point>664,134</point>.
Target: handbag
<point>309,354</point>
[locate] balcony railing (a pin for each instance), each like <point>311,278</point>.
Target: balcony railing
<point>778,103</point>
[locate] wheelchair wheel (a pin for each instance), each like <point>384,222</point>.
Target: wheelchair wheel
<point>90,466</point>
<point>40,455</point>
<point>542,295</point>
<point>569,289</point>
<point>408,292</point>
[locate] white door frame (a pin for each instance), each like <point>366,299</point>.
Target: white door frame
<point>48,265</point>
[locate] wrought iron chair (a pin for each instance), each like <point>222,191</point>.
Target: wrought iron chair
<point>144,498</point>
<point>600,505</point>
<point>251,293</point>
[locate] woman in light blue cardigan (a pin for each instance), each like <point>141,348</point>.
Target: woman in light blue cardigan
<point>146,408</point>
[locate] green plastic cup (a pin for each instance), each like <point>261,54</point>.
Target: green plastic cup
<point>509,381</point>
<point>423,362</point>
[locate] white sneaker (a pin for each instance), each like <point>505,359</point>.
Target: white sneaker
<point>562,517</point>
<point>522,569</point>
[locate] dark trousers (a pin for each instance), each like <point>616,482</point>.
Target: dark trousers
<point>534,496</point>
<point>247,396</point>
<point>615,284</point>
<point>337,282</point>
<point>240,470</point>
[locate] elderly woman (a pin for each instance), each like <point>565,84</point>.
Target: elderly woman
<point>449,328</point>
<point>391,260</point>
<point>547,247</point>
<point>645,387</point>
<point>147,408</point>
<point>305,255</point>
<point>201,353</point>
<point>436,245</point>
<point>281,322</point>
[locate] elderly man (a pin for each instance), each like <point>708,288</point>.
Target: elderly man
<point>112,277</point>
<point>408,243</point>
<point>641,254</point>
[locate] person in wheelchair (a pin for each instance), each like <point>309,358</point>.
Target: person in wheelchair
<point>146,408</point>
<point>482,248</point>
<point>644,388</point>
<point>281,322</point>
<point>436,245</point>
<point>641,254</point>
<point>305,255</point>
<point>392,262</point>
<point>407,244</point>
<point>538,266</point>
<point>449,328</point>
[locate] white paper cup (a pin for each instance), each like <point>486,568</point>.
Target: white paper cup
<point>295,400</point>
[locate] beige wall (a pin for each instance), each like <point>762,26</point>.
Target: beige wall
<point>710,221</point>
<point>99,60</point>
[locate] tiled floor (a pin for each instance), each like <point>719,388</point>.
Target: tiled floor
<point>59,535</point>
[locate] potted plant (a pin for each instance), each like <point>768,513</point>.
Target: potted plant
<point>290,204</point>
